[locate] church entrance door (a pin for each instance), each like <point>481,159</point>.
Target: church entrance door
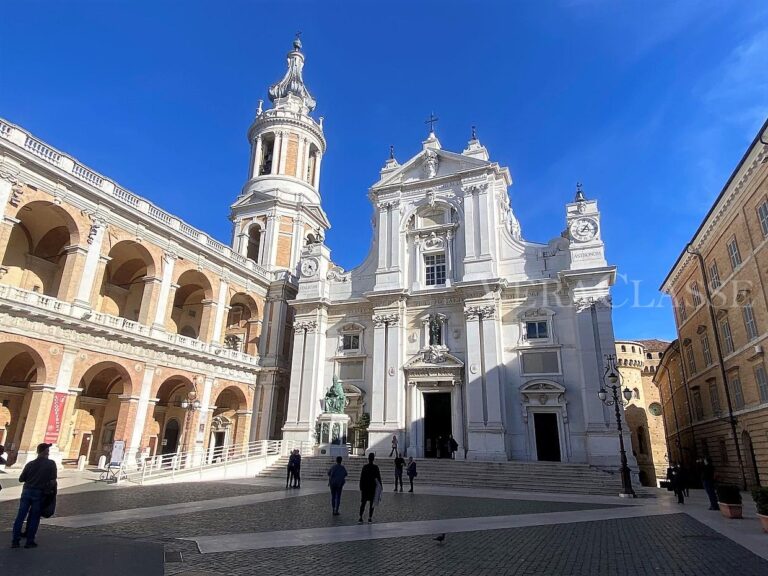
<point>437,424</point>
<point>547,436</point>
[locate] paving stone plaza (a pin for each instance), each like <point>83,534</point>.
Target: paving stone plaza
<point>256,526</point>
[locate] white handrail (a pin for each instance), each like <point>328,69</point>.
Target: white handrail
<point>198,460</point>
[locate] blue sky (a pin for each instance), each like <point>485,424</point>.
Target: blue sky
<point>649,104</point>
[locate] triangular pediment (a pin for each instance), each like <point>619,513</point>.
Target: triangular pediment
<point>415,169</point>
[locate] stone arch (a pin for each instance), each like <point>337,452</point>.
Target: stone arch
<point>241,332</point>
<point>173,415</point>
<point>192,305</point>
<point>231,404</point>
<point>20,367</point>
<point>102,411</point>
<point>426,205</point>
<point>124,289</point>
<point>40,254</point>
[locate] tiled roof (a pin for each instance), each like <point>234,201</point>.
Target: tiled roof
<point>654,345</point>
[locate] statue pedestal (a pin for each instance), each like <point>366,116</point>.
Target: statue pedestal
<point>332,434</point>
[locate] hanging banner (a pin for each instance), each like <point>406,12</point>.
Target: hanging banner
<point>54,418</point>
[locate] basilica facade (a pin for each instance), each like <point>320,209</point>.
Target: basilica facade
<point>455,324</point>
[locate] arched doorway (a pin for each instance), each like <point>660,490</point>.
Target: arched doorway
<point>172,415</point>
<point>170,442</point>
<point>125,282</point>
<point>750,465</point>
<point>230,411</point>
<point>99,410</point>
<point>37,256</point>
<point>20,367</point>
<point>192,305</point>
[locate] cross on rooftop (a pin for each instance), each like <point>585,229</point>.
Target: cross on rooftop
<point>431,121</point>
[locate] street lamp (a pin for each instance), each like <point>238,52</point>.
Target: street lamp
<point>190,404</point>
<point>613,376</point>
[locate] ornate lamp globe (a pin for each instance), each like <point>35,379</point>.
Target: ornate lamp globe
<point>602,394</point>
<point>613,377</point>
<point>627,393</point>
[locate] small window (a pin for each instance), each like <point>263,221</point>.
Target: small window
<point>536,330</point>
<point>649,356</point>
<point>762,383</point>
<point>762,214</point>
<point>623,348</point>
<point>633,349</point>
<point>733,253</point>
<point>695,294</point>
<point>749,321</point>
<point>351,342</point>
<point>737,394</point>
<point>683,311</point>
<point>435,269</point>
<point>636,394</point>
<point>714,276</point>
<point>725,329</point>
<point>706,351</point>
<point>714,397</point>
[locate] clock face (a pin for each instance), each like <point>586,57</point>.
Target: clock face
<point>309,267</point>
<point>583,229</point>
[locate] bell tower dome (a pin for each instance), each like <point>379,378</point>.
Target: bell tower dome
<point>279,206</point>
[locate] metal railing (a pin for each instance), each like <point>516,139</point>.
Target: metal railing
<point>198,461</point>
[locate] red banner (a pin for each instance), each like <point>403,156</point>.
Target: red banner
<point>54,418</point>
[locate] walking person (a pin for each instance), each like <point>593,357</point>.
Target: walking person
<point>291,467</point>
<point>674,476</point>
<point>399,465</point>
<point>707,471</point>
<point>453,446</point>
<point>39,477</point>
<point>337,476</point>
<point>369,477</point>
<point>411,471</point>
<point>394,446</point>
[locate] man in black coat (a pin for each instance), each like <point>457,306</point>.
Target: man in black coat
<point>39,477</point>
<point>368,485</point>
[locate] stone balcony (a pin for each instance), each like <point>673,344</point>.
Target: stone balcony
<point>98,322</point>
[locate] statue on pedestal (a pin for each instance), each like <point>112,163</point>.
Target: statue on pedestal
<point>335,399</point>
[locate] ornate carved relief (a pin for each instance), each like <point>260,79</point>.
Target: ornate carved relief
<point>380,320</point>
<point>585,303</point>
<point>305,326</point>
<point>480,312</point>
<point>337,274</point>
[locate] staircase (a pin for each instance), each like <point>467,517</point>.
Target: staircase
<point>553,477</point>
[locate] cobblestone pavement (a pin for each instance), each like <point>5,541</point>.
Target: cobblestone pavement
<point>674,545</point>
<point>666,544</point>
<point>314,512</point>
<point>123,497</point>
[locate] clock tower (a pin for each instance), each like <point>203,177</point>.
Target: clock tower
<point>583,231</point>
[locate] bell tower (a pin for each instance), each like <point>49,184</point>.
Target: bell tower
<point>279,209</point>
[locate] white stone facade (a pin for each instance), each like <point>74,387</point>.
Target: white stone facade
<point>455,324</point>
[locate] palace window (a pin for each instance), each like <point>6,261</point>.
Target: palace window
<point>714,276</point>
<point>733,253</point>
<point>749,321</point>
<point>698,407</point>
<point>705,349</point>
<point>535,330</point>
<point>350,342</point>
<point>695,294</point>
<point>435,269</point>
<point>762,383</point>
<point>691,359</point>
<point>682,311</point>
<point>725,329</point>
<point>714,397</point>
<point>737,394</point>
<point>762,213</point>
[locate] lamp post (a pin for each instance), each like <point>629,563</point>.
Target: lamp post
<point>190,404</point>
<point>614,378</point>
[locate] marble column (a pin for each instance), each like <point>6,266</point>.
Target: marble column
<point>92,258</point>
<point>221,308</point>
<point>134,444</point>
<point>169,261</point>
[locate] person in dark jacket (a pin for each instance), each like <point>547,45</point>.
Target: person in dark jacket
<point>369,476</point>
<point>39,477</point>
<point>411,471</point>
<point>337,476</point>
<point>291,467</point>
<point>707,472</point>
<point>453,446</point>
<point>399,465</point>
<point>297,470</point>
<point>675,477</point>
